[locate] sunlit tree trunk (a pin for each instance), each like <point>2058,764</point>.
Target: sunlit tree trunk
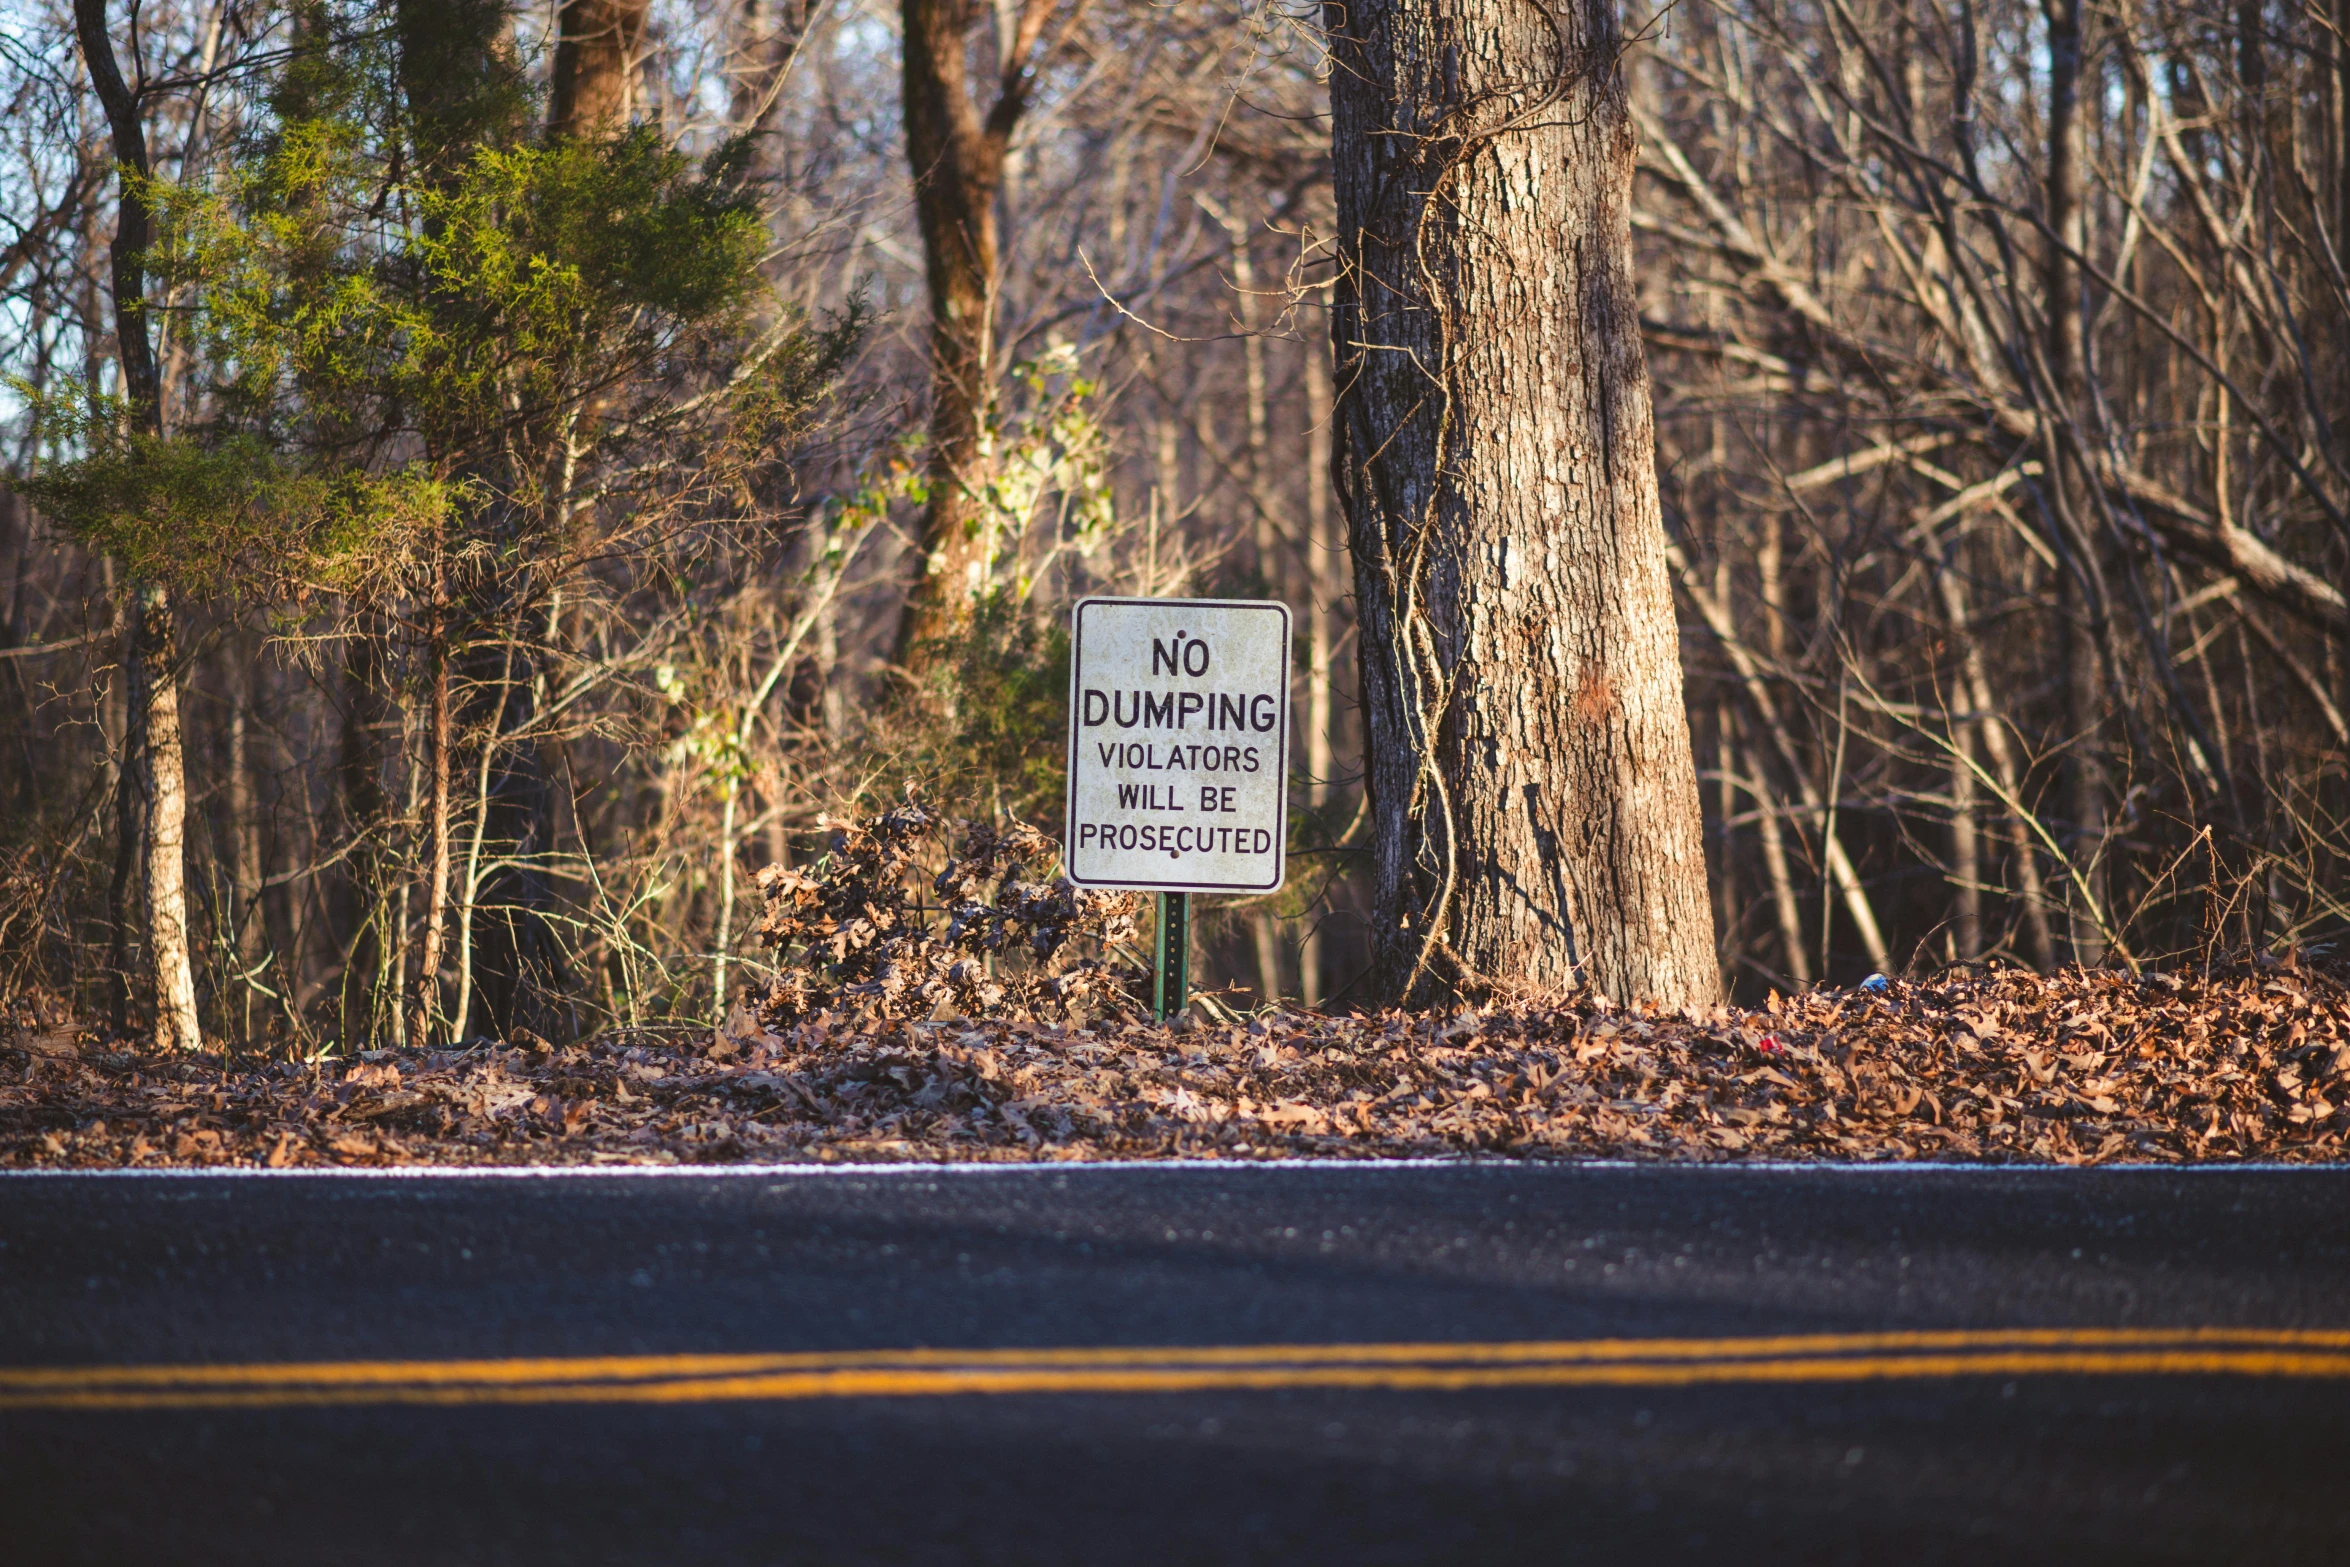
<point>1794,953</point>
<point>957,155</point>
<point>426,1006</point>
<point>126,728</point>
<point>154,690</point>
<point>1535,816</point>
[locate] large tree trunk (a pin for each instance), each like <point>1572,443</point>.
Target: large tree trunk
<point>1534,803</point>
<point>154,690</point>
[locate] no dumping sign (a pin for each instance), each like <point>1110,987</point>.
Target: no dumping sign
<point>1179,745</point>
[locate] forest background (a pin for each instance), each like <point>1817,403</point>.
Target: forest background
<point>524,488</point>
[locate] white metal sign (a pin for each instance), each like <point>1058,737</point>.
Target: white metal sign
<point>1179,745</point>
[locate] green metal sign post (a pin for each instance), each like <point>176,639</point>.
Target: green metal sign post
<point>1170,951</point>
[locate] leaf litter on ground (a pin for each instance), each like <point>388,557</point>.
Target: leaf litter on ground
<point>987,1012</point>
<point>2247,1062</point>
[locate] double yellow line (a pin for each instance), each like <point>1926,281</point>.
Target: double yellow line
<point>909,1373</point>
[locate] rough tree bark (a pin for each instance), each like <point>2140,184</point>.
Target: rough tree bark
<point>596,48</point>
<point>958,163</point>
<point>153,642</point>
<point>1534,803</point>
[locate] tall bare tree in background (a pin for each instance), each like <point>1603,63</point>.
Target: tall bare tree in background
<point>956,145</point>
<point>2005,346</point>
<point>1534,811</point>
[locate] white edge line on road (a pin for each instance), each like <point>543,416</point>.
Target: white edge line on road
<point>741,1172</point>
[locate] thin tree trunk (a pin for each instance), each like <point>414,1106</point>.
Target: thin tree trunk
<point>154,692</point>
<point>1724,861</point>
<point>1966,857</point>
<point>2004,766</point>
<point>1264,928</point>
<point>1795,955</point>
<point>358,782</point>
<point>403,925</point>
<point>127,738</point>
<point>436,890</point>
<point>2069,489</point>
<point>1534,801</point>
<point>833,704</point>
<point>958,165</point>
<point>246,936</point>
<point>1265,934</point>
<point>2338,46</point>
<point>244,809</point>
<point>1258,422</point>
<point>722,948</point>
<point>461,1017</point>
<point>1167,503</point>
<point>1322,576</point>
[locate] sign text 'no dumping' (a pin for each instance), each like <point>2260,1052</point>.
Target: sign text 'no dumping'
<point>1179,744</point>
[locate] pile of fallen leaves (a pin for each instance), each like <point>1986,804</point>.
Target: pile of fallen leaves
<point>870,930</point>
<point>2251,1062</point>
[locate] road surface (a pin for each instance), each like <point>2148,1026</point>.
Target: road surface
<point>1184,1364</point>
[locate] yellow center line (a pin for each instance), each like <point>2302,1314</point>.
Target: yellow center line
<point>929,1372</point>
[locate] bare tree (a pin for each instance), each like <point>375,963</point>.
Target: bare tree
<point>153,642</point>
<point>2026,322</point>
<point>957,148</point>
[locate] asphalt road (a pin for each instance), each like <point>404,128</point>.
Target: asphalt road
<point>1537,1365</point>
